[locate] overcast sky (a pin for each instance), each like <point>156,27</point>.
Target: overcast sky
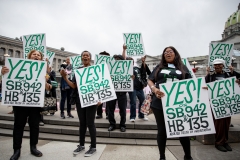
<point>98,25</point>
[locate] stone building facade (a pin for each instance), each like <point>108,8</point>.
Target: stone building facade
<point>14,48</point>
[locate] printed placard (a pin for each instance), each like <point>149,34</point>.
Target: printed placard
<point>186,109</point>
<point>34,41</point>
<point>94,85</point>
<point>134,43</point>
<point>224,97</point>
<point>23,84</point>
<point>120,71</point>
<point>76,61</point>
<point>50,56</point>
<point>186,63</point>
<point>220,50</point>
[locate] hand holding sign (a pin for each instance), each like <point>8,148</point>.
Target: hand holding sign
<point>4,70</point>
<point>159,94</point>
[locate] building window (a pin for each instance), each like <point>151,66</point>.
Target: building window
<point>234,65</point>
<point>10,52</point>
<point>2,51</point>
<point>17,54</point>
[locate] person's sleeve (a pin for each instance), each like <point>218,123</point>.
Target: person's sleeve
<point>187,74</point>
<point>74,79</point>
<point>152,75</point>
<point>207,78</point>
<point>236,74</point>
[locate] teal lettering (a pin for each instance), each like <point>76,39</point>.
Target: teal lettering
<point>178,93</point>
<point>168,93</point>
<point>12,68</point>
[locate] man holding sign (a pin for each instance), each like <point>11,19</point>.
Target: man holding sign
<point>221,124</point>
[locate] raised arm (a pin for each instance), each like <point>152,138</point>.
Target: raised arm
<point>70,83</point>
<point>124,51</point>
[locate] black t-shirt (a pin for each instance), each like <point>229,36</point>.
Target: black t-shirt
<point>220,76</point>
<point>75,90</point>
<point>167,74</point>
<point>137,73</point>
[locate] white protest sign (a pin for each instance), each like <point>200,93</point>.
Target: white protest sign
<point>94,85</point>
<point>134,43</point>
<point>23,85</point>
<point>50,56</point>
<point>34,42</point>
<point>120,71</point>
<point>224,97</point>
<point>186,63</point>
<point>186,109</point>
<point>220,50</point>
<point>76,61</point>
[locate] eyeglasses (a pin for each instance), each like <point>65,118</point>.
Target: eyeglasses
<point>171,52</point>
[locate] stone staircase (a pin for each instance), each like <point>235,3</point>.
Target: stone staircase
<point>138,133</point>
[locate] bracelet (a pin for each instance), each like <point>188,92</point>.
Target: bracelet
<point>152,86</point>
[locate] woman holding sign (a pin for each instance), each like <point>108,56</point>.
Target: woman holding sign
<point>222,124</point>
<point>170,69</point>
<point>86,115</point>
<point>24,114</point>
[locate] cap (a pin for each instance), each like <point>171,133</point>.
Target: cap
<point>219,61</point>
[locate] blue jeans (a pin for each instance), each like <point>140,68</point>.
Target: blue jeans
<point>132,96</point>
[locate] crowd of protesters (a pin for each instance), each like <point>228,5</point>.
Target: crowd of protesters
<point>142,77</point>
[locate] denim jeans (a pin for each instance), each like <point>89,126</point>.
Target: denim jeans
<point>132,96</point>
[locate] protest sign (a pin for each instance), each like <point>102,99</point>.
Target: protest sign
<point>76,62</point>
<point>34,42</point>
<point>134,43</point>
<point>50,56</point>
<point>94,85</point>
<point>120,71</point>
<point>23,85</point>
<point>220,50</point>
<point>186,109</point>
<point>186,63</point>
<point>224,97</point>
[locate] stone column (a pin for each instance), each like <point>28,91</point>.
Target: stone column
<point>56,64</point>
<point>14,53</point>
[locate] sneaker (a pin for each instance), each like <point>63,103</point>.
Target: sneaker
<point>69,115</point>
<point>231,125</point>
<point>41,124</point>
<point>90,152</point>
<point>79,149</point>
<point>227,147</point>
<point>132,120</point>
<point>62,115</point>
<point>98,116</point>
<point>144,118</point>
<point>221,148</point>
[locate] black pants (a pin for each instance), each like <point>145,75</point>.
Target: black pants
<point>65,94</point>
<point>87,118</point>
<point>162,136</point>
<point>100,111</point>
<point>21,116</point>
<point>122,104</point>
